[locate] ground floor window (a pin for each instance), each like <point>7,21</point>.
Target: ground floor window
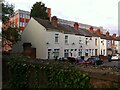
<point>86,52</point>
<point>66,53</point>
<point>101,51</point>
<point>80,52</point>
<point>56,52</point>
<point>92,52</point>
<point>49,53</point>
<point>95,52</point>
<point>104,52</point>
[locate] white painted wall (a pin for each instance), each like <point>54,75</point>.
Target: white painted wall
<point>92,46</point>
<point>118,46</point>
<point>43,39</point>
<point>62,45</point>
<point>36,35</point>
<point>103,46</point>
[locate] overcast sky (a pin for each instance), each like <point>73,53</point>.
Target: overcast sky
<point>94,12</point>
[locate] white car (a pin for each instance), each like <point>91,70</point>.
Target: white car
<point>115,57</point>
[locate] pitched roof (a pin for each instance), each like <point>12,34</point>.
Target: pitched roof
<point>62,28</point>
<point>70,30</point>
<point>118,38</point>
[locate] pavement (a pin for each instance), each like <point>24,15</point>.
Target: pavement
<point>112,64</point>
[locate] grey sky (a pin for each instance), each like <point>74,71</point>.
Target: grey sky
<point>94,12</point>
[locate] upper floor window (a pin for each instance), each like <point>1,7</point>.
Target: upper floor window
<point>102,42</point>
<point>27,16</point>
<point>66,39</point>
<point>22,24</point>
<point>22,15</point>
<point>56,38</point>
<point>96,42</point>
<point>80,41</point>
<point>86,41</point>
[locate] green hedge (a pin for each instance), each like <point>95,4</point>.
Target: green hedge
<point>45,74</point>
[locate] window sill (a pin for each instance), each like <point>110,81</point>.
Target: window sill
<point>56,43</point>
<point>66,44</point>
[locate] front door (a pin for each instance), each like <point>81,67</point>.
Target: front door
<point>95,52</point>
<point>49,53</point>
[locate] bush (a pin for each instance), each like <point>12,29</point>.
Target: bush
<point>25,74</point>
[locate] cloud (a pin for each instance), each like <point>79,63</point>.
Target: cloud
<point>94,12</point>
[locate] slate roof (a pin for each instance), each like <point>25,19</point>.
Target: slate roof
<point>118,38</point>
<point>62,28</point>
<point>70,30</point>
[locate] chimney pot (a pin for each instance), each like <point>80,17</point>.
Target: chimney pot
<point>114,35</point>
<point>76,25</point>
<point>54,21</point>
<point>98,31</point>
<point>107,34</point>
<point>91,29</point>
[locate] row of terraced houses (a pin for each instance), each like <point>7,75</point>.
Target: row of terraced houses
<point>52,38</point>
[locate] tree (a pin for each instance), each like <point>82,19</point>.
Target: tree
<point>7,11</point>
<point>10,34</point>
<point>39,10</point>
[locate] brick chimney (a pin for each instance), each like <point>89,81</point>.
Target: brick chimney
<point>91,29</point>
<point>107,34</point>
<point>49,12</point>
<point>98,32</point>
<point>76,26</point>
<point>54,21</point>
<point>114,35</point>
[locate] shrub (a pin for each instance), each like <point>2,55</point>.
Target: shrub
<point>25,74</point>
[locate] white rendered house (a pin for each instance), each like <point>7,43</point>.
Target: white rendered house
<point>54,40</point>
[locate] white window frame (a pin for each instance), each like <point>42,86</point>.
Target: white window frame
<point>96,42</point>
<point>80,52</point>
<point>20,23</point>
<point>56,38</point>
<point>56,52</point>
<point>66,39</point>
<point>66,51</point>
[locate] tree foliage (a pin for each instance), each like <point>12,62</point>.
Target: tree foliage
<point>44,74</point>
<point>7,11</point>
<point>10,34</point>
<point>39,10</point>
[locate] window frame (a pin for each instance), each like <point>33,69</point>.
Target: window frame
<point>66,39</point>
<point>56,38</point>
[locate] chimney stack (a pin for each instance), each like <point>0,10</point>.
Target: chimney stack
<point>54,21</point>
<point>98,31</point>
<point>114,35</point>
<point>76,26</point>
<point>49,12</point>
<point>91,29</point>
<point>107,34</point>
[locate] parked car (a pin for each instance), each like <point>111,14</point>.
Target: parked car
<point>77,60</point>
<point>109,58</point>
<point>95,60</point>
<point>81,61</point>
<point>115,57</point>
